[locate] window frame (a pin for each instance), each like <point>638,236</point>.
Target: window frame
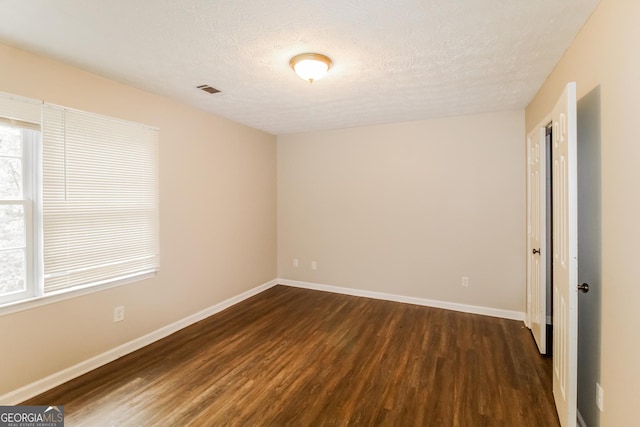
<point>29,140</point>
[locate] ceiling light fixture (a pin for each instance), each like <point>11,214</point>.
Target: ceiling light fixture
<point>310,66</point>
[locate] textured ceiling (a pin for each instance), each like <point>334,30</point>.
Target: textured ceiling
<point>394,60</point>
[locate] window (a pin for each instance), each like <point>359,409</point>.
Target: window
<point>78,201</point>
<point>16,265</point>
<point>19,135</point>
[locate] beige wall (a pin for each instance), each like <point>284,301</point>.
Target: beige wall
<point>606,53</point>
<point>218,222</point>
<point>408,209</point>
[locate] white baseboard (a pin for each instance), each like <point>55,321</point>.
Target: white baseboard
<point>580,420</point>
<point>487,311</point>
<point>30,390</point>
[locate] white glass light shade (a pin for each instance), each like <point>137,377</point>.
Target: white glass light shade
<point>310,66</point>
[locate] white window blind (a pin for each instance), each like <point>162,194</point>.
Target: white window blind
<point>99,199</point>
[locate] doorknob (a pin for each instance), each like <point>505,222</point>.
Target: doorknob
<point>536,251</point>
<point>584,288</point>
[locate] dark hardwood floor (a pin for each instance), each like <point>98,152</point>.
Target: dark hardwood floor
<point>295,357</point>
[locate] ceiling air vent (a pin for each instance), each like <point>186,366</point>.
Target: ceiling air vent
<point>208,89</point>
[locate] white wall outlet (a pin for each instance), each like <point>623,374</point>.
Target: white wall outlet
<point>118,314</point>
<point>314,265</point>
<point>599,397</point>
<point>296,262</point>
<point>465,281</point>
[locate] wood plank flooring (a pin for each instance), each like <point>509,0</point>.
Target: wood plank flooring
<point>296,357</point>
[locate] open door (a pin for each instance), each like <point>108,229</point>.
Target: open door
<point>536,237</point>
<point>565,256</point>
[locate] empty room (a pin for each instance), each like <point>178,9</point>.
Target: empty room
<point>219,212</point>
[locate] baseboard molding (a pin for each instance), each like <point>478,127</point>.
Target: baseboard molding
<point>54,380</point>
<point>486,311</point>
<point>580,420</point>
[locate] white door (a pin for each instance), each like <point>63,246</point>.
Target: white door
<point>536,232</point>
<point>565,256</point>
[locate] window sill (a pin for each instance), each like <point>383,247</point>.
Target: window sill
<point>30,303</point>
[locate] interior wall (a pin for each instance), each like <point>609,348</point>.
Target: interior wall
<point>605,53</point>
<point>408,209</point>
<point>217,222</point>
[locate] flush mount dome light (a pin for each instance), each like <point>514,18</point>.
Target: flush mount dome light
<point>310,66</point>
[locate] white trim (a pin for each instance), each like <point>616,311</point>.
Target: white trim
<point>549,322</point>
<point>474,309</point>
<point>30,390</point>
<point>580,420</point>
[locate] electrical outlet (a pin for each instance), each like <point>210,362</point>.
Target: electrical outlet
<point>465,281</point>
<point>296,262</point>
<point>599,397</point>
<point>314,265</point>
<point>118,314</point>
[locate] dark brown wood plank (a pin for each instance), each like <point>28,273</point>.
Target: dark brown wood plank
<point>298,357</point>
